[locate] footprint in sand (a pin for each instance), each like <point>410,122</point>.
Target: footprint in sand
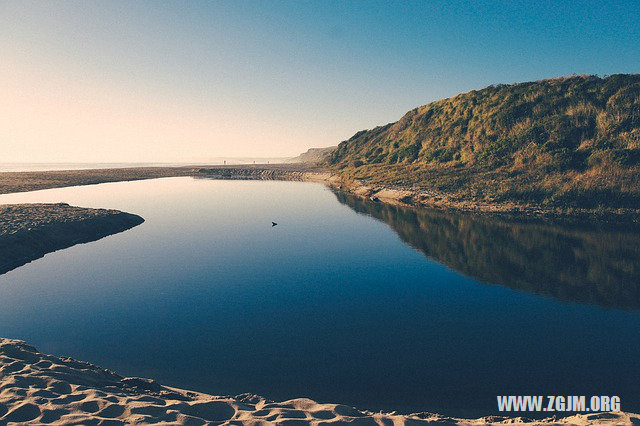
<point>43,364</point>
<point>23,413</point>
<point>15,366</point>
<point>89,406</point>
<point>50,416</point>
<point>111,411</point>
<point>323,415</point>
<point>211,410</point>
<point>61,388</point>
<point>149,410</point>
<point>293,414</point>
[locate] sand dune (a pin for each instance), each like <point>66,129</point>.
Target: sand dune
<point>43,389</point>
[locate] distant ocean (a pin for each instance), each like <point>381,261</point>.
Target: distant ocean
<point>35,167</point>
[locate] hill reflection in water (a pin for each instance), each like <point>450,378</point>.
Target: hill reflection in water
<point>597,265</point>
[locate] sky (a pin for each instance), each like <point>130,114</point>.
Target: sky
<point>186,81</point>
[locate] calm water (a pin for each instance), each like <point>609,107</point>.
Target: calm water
<point>343,301</point>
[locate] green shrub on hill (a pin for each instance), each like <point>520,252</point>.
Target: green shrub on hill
<point>564,141</point>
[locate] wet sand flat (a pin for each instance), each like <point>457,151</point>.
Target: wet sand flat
<point>29,231</point>
<point>32,181</point>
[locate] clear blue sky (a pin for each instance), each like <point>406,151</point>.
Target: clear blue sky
<point>190,80</point>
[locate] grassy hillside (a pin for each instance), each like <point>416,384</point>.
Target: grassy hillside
<point>569,142</point>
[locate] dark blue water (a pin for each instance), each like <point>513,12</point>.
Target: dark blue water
<point>339,302</point>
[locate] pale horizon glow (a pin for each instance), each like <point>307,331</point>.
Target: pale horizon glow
<point>50,111</point>
<point>144,81</point>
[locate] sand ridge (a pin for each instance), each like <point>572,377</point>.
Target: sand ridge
<point>36,388</point>
<point>29,231</point>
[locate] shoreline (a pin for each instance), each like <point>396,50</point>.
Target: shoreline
<point>132,396</point>
<point>45,389</point>
<point>420,199</point>
<point>12,182</point>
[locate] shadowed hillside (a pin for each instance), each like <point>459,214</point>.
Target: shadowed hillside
<point>568,142</point>
<point>572,263</point>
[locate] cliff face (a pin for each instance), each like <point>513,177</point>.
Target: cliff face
<point>313,155</point>
<point>29,231</point>
<point>572,142</point>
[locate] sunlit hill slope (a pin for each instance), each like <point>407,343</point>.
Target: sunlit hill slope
<point>568,142</point>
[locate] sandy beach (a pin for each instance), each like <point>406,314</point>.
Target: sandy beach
<point>34,181</point>
<point>36,388</point>
<point>29,231</point>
